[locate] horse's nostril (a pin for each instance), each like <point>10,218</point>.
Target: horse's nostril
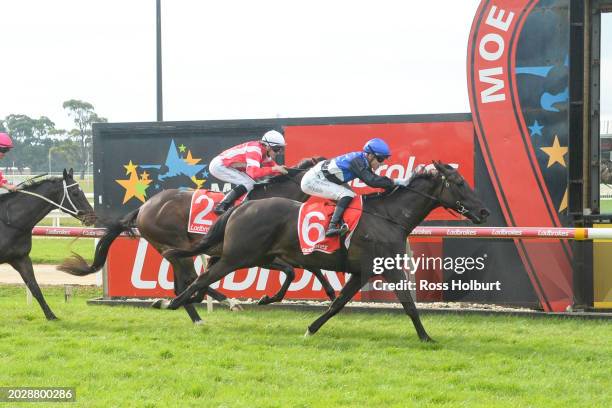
<point>484,212</point>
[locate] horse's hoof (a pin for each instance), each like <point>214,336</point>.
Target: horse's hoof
<point>52,318</point>
<point>308,334</point>
<point>427,340</point>
<point>161,304</point>
<point>234,305</point>
<point>265,300</point>
<point>157,304</point>
<point>199,323</point>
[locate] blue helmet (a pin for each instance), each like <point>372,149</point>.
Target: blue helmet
<point>377,147</point>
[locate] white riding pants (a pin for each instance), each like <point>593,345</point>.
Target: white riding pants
<point>230,174</point>
<point>314,183</point>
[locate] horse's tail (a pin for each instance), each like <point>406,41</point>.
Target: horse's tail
<point>215,236</point>
<point>77,265</point>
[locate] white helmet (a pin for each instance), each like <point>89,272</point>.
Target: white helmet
<point>273,138</point>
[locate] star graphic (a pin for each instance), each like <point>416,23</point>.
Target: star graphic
<point>189,159</point>
<point>178,166</point>
<point>536,129</point>
<point>555,153</point>
<point>198,182</point>
<point>144,176</point>
<point>204,173</point>
<point>182,148</point>
<point>563,205</point>
<point>134,187</point>
<point>131,168</point>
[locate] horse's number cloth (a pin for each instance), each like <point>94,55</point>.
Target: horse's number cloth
<point>201,215</point>
<point>314,218</point>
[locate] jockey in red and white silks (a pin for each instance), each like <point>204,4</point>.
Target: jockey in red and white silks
<point>6,144</point>
<point>243,164</point>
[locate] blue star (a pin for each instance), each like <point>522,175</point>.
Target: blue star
<point>177,166</point>
<point>205,174</point>
<point>536,129</point>
<point>157,186</point>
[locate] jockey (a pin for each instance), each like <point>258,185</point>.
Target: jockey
<point>6,144</point>
<point>245,163</point>
<point>327,179</point>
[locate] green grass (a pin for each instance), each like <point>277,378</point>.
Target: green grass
<point>125,356</point>
<point>606,206</point>
<point>47,250</point>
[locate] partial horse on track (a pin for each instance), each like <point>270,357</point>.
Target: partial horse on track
<point>21,210</point>
<point>163,222</point>
<point>257,232</point>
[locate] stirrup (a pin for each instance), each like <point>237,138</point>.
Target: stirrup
<point>220,208</point>
<point>336,229</point>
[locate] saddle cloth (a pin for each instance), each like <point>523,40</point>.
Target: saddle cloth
<point>314,218</point>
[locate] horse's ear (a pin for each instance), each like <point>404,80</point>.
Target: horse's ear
<point>438,165</point>
<point>65,174</point>
<point>71,172</point>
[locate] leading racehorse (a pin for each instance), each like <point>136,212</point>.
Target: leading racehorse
<point>163,222</point>
<point>21,210</point>
<point>259,231</point>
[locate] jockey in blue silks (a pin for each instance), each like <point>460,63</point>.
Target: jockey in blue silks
<point>328,179</point>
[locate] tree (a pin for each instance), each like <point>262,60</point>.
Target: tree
<point>31,138</point>
<point>83,115</point>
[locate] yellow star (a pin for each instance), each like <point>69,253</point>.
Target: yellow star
<point>555,153</point>
<point>131,168</point>
<point>144,176</point>
<point>198,182</point>
<point>182,148</point>
<point>134,187</point>
<point>190,160</point>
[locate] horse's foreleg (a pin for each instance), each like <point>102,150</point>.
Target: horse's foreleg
<point>396,276</point>
<point>290,275</point>
<point>23,265</point>
<point>329,290</point>
<point>346,294</point>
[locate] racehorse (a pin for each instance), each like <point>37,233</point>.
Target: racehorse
<point>163,222</point>
<point>21,210</point>
<point>259,231</point>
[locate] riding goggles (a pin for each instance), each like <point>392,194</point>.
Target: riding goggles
<point>4,149</point>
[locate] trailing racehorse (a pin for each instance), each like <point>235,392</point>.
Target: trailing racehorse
<point>259,231</point>
<point>21,210</point>
<point>163,222</point>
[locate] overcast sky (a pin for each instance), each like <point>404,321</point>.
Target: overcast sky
<point>238,59</point>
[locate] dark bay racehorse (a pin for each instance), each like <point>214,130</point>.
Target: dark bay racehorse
<point>387,219</point>
<point>163,221</point>
<point>22,210</point>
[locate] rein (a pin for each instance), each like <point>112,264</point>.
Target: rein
<point>74,211</point>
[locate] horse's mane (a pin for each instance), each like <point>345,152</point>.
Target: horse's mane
<point>37,181</point>
<point>302,165</point>
<point>415,177</point>
<point>30,183</point>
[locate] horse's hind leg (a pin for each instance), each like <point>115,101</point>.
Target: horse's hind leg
<point>215,273</point>
<point>290,275</point>
<point>346,294</point>
<point>184,274</point>
<point>23,265</point>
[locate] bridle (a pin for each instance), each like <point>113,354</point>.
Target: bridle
<point>66,197</point>
<point>459,207</point>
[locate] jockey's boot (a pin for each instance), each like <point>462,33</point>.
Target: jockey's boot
<point>336,225</point>
<point>229,199</point>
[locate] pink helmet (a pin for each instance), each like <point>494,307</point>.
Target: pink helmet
<point>5,140</point>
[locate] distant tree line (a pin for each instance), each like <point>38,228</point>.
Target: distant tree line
<point>42,147</point>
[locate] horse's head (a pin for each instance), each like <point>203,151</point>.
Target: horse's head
<point>74,200</point>
<point>457,195</point>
